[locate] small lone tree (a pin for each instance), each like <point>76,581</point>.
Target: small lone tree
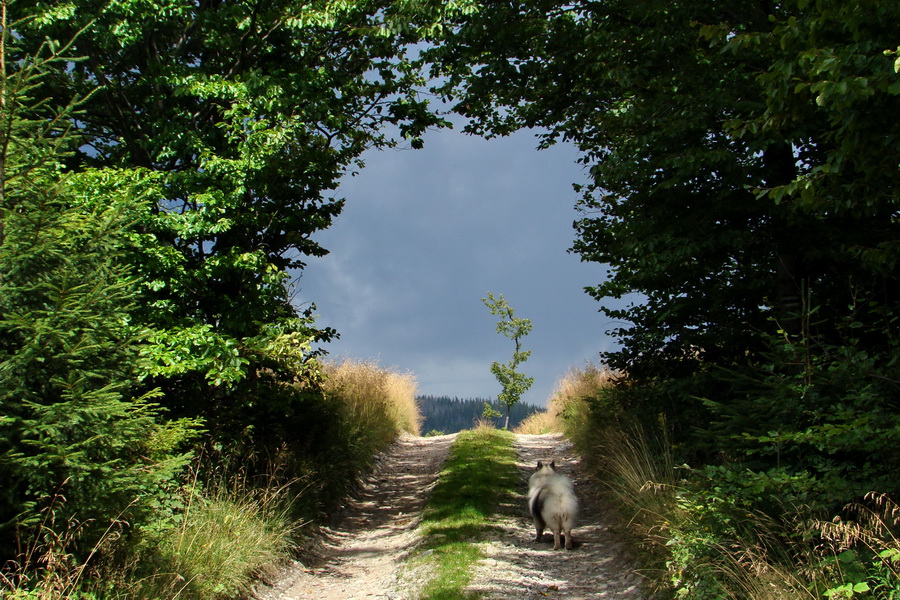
<point>513,382</point>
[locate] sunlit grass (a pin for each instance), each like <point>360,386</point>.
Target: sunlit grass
<point>379,401</point>
<point>539,423</point>
<point>226,536</point>
<point>567,410</point>
<point>225,542</point>
<point>478,477</point>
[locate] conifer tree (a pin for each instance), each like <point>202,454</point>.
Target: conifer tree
<point>76,449</point>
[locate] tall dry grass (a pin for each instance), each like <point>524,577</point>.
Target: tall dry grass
<point>234,529</point>
<point>47,569</point>
<point>375,398</point>
<point>216,547</point>
<point>568,408</point>
<point>219,535</point>
<point>570,403</point>
<point>539,423</point>
<point>635,464</point>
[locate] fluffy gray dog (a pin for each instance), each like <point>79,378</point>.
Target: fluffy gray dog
<point>552,503</point>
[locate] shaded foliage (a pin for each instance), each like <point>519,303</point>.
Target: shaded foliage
<point>744,190</point>
<point>744,198</point>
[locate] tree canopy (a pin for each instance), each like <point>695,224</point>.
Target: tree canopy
<point>744,187</point>
<point>166,167</point>
<point>237,121</point>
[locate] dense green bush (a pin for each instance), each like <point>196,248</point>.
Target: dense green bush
<point>824,412</point>
<point>146,264</point>
<point>73,434</point>
<point>744,524</point>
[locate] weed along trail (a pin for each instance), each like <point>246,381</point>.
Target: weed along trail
<point>360,556</point>
<point>446,518</point>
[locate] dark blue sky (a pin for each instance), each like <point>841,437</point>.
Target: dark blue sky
<point>425,234</point>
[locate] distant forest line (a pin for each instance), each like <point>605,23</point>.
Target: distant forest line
<point>449,415</point>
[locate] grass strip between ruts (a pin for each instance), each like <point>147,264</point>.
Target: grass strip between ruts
<point>479,475</point>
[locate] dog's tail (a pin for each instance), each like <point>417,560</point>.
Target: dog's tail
<point>537,501</point>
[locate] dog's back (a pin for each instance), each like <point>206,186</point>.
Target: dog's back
<point>552,503</point>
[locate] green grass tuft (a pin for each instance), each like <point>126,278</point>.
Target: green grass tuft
<point>480,475</point>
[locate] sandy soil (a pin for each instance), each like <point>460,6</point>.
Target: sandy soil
<point>363,556</point>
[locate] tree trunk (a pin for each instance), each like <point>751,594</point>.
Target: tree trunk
<point>781,169</point>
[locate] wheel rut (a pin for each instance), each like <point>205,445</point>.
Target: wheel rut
<point>359,558</point>
<point>516,566</point>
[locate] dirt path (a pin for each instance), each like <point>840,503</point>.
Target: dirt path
<point>359,558</point>
<point>363,557</point>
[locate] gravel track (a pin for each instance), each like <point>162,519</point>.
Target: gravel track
<point>363,557</point>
